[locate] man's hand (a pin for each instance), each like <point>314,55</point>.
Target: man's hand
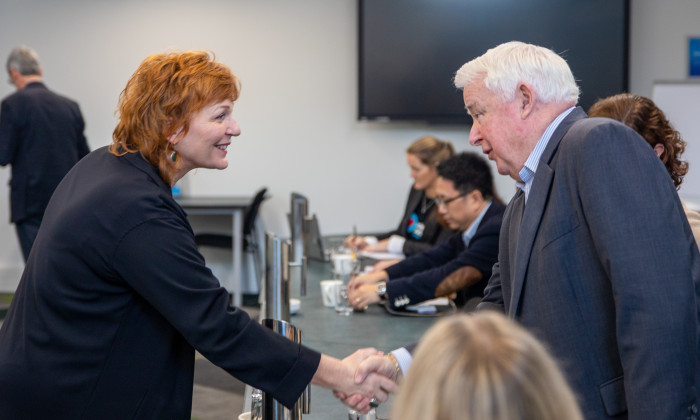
<point>378,363</point>
<point>383,265</point>
<point>363,296</point>
<point>371,278</point>
<point>458,280</point>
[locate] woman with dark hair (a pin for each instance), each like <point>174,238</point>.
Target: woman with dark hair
<point>643,116</point>
<point>115,297</point>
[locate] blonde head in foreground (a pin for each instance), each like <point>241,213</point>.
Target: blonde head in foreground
<point>483,367</point>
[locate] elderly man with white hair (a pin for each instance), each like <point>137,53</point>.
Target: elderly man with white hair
<point>596,255</point>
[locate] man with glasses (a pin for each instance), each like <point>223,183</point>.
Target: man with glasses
<point>41,136</point>
<point>460,265</point>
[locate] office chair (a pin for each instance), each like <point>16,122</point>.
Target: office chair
<point>250,245</point>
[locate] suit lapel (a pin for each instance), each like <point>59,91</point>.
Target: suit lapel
<point>532,216</point>
<point>491,212</point>
<point>534,210</point>
<point>413,201</point>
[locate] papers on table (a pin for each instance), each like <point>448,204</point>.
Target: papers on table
<point>379,256</point>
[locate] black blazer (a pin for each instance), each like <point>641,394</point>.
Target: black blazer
<point>433,234</point>
<point>415,279</point>
<point>41,135</point>
<point>113,302</point>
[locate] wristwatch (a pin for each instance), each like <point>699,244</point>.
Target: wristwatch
<point>381,289</point>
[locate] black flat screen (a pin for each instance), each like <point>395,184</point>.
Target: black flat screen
<point>409,50</point>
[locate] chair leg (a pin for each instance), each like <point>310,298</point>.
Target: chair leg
<point>253,281</point>
<point>258,255</point>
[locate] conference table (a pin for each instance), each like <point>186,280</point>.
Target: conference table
<point>338,336</point>
<point>225,205</point>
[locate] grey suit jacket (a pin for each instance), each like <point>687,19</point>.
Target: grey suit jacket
<point>605,271</point>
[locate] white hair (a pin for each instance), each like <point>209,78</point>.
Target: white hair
<point>508,64</point>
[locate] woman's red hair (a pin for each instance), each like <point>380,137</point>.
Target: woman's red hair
<point>162,95</point>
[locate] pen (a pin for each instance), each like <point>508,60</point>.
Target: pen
<point>354,238</point>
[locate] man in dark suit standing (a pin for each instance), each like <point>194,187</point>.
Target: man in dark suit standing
<point>41,136</point>
<point>596,256</point>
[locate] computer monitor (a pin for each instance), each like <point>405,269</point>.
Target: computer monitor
<point>305,232</point>
<point>313,241</point>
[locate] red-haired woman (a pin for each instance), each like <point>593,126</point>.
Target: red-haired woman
<point>115,297</point>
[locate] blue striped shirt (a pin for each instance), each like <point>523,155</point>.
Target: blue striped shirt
<point>527,174</point>
<point>471,230</point>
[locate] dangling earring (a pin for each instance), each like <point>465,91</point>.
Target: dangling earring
<point>173,156</point>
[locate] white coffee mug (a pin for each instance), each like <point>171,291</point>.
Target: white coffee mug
<point>343,264</point>
<point>328,291</point>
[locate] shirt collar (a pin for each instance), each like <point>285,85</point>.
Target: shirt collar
<point>468,234</point>
<point>527,173</point>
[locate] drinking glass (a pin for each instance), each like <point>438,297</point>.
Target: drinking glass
<point>342,306</point>
<point>356,415</point>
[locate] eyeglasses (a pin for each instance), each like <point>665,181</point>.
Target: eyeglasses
<point>446,201</point>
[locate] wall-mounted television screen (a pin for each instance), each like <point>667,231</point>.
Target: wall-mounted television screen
<point>409,50</point>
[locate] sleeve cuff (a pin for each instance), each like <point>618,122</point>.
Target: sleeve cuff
<point>296,380</point>
<point>395,245</point>
<point>404,358</point>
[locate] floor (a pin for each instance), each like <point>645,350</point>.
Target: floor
<point>216,395</point>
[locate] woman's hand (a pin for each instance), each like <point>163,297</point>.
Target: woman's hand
<point>355,242</point>
<point>381,246</point>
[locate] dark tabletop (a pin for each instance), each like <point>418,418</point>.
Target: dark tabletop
<point>338,335</point>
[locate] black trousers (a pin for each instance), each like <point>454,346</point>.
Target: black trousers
<point>27,230</point>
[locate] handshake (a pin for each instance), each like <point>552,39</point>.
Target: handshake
<point>369,377</point>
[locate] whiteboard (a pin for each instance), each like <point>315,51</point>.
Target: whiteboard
<point>680,101</point>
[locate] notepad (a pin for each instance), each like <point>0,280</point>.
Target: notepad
<point>380,256</point>
<point>428,306</point>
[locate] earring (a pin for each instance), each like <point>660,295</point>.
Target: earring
<point>173,156</point>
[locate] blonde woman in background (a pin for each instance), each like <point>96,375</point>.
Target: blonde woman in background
<point>420,227</point>
<point>483,367</point>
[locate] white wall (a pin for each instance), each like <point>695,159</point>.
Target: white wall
<point>659,41</point>
<point>659,53</point>
<point>297,62</point>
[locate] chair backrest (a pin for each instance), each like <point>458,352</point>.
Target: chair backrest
<point>251,212</point>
